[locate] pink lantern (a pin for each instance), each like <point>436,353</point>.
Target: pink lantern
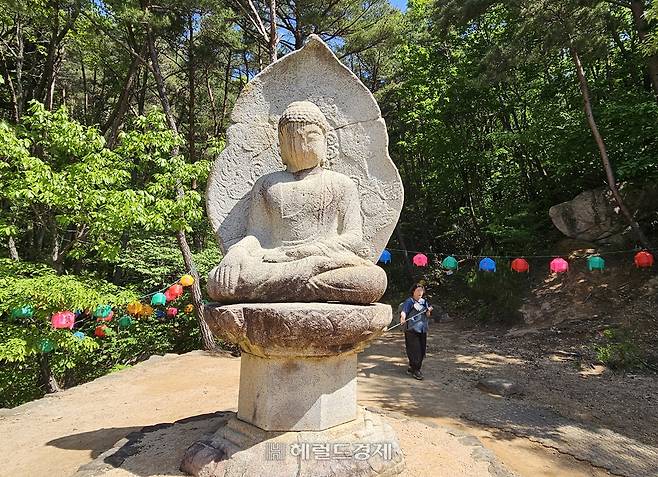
<point>63,319</point>
<point>420,260</point>
<point>169,295</point>
<point>171,311</point>
<point>559,265</point>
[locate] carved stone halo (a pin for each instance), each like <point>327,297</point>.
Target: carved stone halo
<point>357,143</point>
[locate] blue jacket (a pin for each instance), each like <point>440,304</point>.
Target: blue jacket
<point>420,322</point>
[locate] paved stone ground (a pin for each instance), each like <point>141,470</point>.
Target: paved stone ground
<point>601,447</point>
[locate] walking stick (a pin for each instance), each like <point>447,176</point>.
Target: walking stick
<point>408,319</point>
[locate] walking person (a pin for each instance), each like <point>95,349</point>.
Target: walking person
<point>414,314</point>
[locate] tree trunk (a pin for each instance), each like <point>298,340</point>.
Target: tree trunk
<point>191,86</point>
<point>43,89</point>
<point>206,336</point>
<point>85,104</point>
<point>274,38</point>
<point>141,97</point>
<point>159,82</point>
<point>20,50</point>
<point>227,79</point>
<point>46,88</point>
<point>46,378</point>
<point>637,7</point>
<point>612,183</point>
<point>207,339</point>
<point>111,127</point>
<point>213,106</point>
<point>12,89</point>
<point>13,252</point>
<point>407,263</point>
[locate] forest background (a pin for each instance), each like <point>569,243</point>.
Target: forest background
<point>112,111</point>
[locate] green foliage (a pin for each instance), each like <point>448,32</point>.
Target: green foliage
<point>618,351</point>
<point>152,261</point>
<point>171,207</point>
<point>47,293</point>
<point>87,197</point>
<point>497,296</point>
<point>75,360</point>
<point>486,122</point>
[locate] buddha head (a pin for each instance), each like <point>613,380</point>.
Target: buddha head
<point>303,136</point>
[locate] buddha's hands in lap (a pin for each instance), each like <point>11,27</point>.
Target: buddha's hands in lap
<point>276,255</point>
<point>230,269</point>
<point>303,251</point>
<point>289,254</point>
<point>321,249</point>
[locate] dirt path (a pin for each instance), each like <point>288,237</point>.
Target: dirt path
<point>568,419</point>
<point>56,435</point>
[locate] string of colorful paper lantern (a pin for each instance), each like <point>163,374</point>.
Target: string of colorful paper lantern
<point>104,313</point>
<point>641,259</point>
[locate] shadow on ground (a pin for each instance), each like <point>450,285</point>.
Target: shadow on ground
<point>145,451</point>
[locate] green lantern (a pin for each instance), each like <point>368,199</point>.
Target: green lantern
<point>450,263</point>
<point>22,312</point>
<point>46,346</point>
<point>595,263</point>
<point>103,311</point>
<point>125,322</point>
<point>158,299</point>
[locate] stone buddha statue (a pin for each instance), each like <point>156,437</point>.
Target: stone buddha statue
<point>304,239</point>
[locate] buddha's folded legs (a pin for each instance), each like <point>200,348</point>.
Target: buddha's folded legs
<point>290,282</point>
<point>357,285</point>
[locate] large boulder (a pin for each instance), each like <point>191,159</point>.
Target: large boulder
<point>594,216</point>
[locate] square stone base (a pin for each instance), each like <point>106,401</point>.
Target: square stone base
<point>296,393</point>
<point>364,447</point>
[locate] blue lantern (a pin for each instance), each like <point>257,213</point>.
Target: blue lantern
<point>487,265</point>
<point>79,335</point>
<point>385,257</point>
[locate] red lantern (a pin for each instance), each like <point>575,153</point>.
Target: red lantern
<point>176,290</point>
<point>100,331</point>
<point>520,265</point>
<point>420,260</point>
<point>169,295</point>
<point>643,260</point>
<point>559,265</point>
<point>171,311</point>
<point>63,319</point>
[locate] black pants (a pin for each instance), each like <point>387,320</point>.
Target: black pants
<point>416,344</point>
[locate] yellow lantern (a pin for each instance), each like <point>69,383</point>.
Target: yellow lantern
<point>146,310</point>
<point>135,308</point>
<point>186,280</point>
<point>188,308</point>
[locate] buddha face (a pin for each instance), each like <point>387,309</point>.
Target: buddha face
<point>303,145</point>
